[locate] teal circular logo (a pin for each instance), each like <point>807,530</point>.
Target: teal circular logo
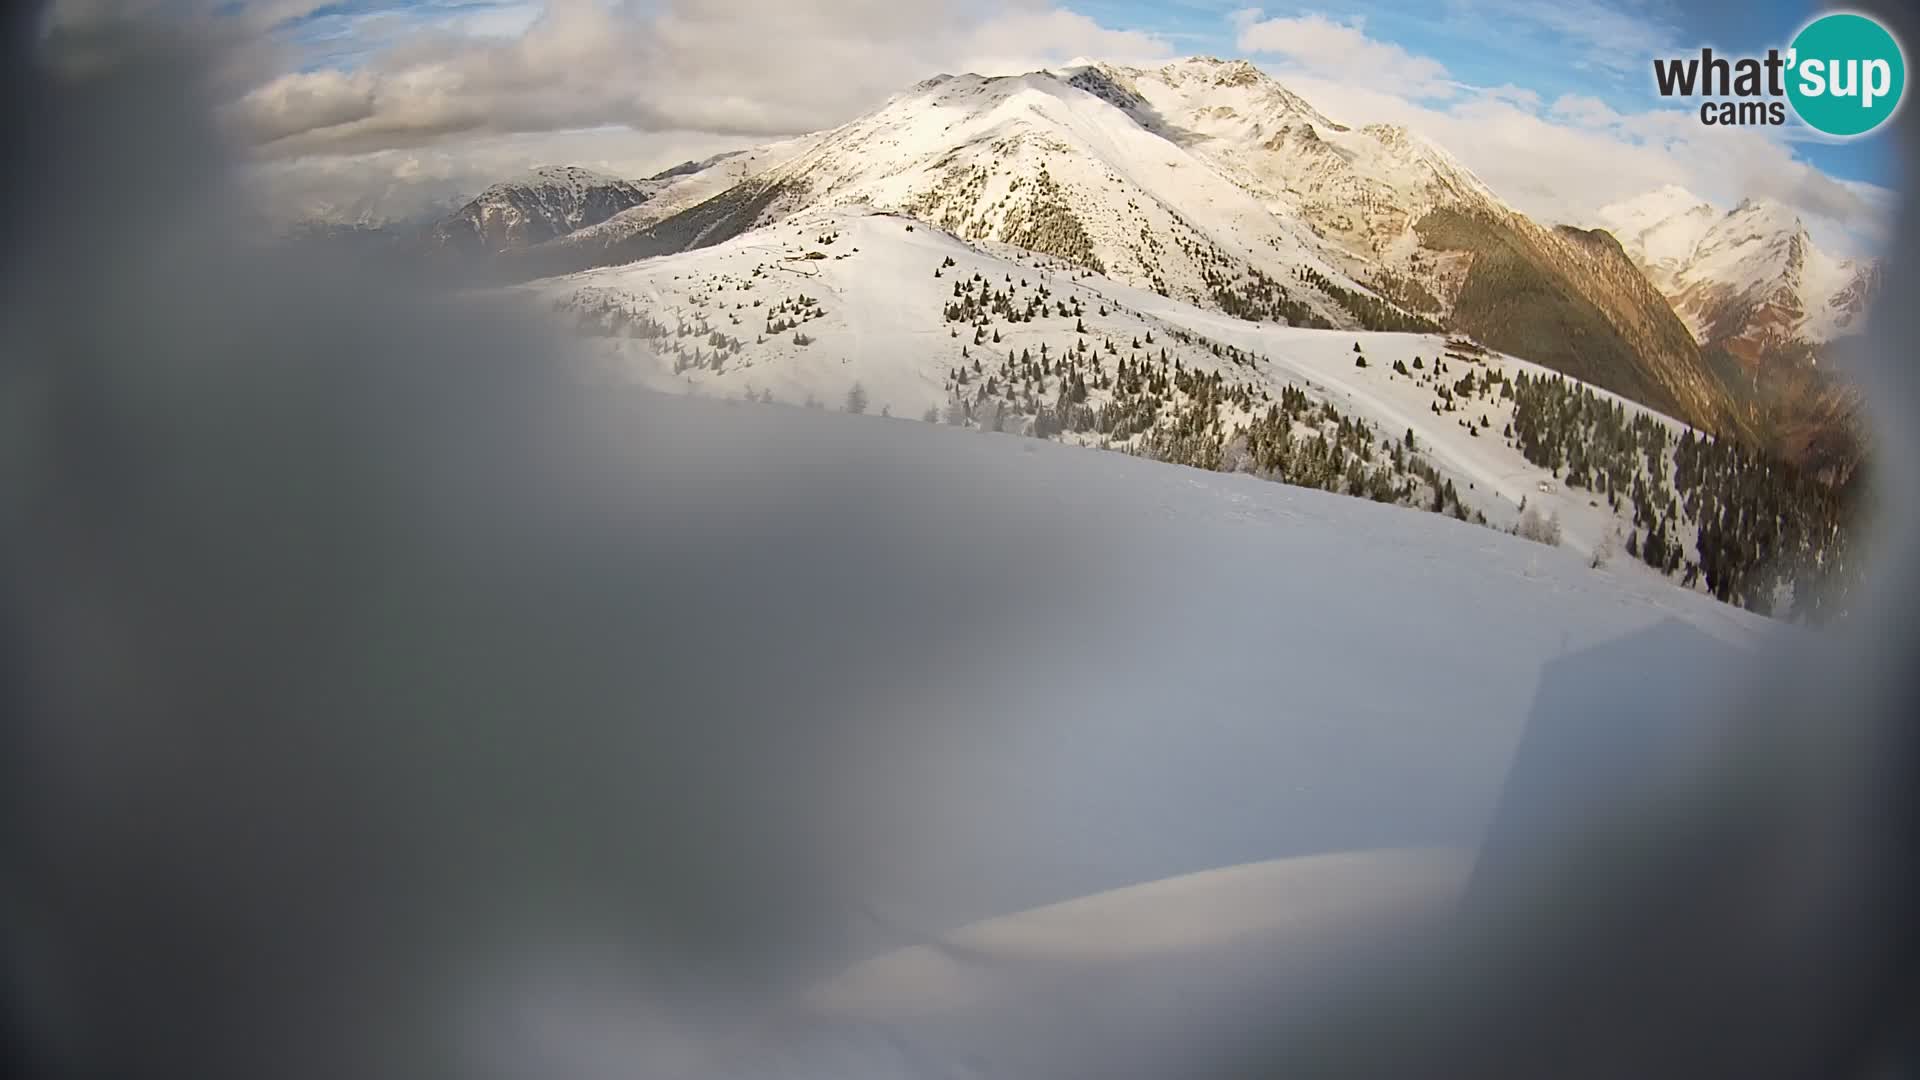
<point>1846,74</point>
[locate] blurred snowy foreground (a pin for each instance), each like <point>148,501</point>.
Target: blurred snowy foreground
<point>1197,746</point>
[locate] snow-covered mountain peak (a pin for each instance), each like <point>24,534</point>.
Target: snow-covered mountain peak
<point>1216,71</point>
<point>1112,87</point>
<point>1757,238</point>
<point>1663,201</point>
<point>1753,204</point>
<point>1420,153</point>
<point>1227,90</point>
<point>575,177</point>
<point>688,168</point>
<point>1674,192</point>
<point>1634,217</point>
<point>1360,191</point>
<point>1661,229</point>
<point>1391,136</point>
<point>1081,163</point>
<point>1763,219</point>
<point>544,203</point>
<point>1751,274</point>
<point>1655,205</point>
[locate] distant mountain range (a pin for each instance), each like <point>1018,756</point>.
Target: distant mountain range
<point>1748,275</point>
<point>1207,181</point>
<point>544,204</point>
<point>1766,304</point>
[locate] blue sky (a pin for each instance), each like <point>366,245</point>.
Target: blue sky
<point>346,33</point>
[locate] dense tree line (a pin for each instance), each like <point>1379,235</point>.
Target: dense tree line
<point>1044,222</point>
<point>1258,298</point>
<point>1709,511</point>
<point>1372,312</point>
<point>1406,291</point>
<point>1142,398</point>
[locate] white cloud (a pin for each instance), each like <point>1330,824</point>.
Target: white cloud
<point>744,67</point>
<point>1585,111</point>
<point>1516,95</point>
<point>411,182</point>
<point>304,101</point>
<point>1563,165</point>
<point>1340,50</point>
<point>1021,40</point>
<point>1563,162</point>
<point>496,84</point>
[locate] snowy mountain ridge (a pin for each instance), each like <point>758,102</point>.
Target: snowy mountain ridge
<point>1206,181</point>
<point>1746,274</point>
<point>1766,304</point>
<point>539,205</point>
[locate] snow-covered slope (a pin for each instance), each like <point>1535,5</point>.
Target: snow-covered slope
<point>1260,672</point>
<point>828,300</point>
<point>1747,275</point>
